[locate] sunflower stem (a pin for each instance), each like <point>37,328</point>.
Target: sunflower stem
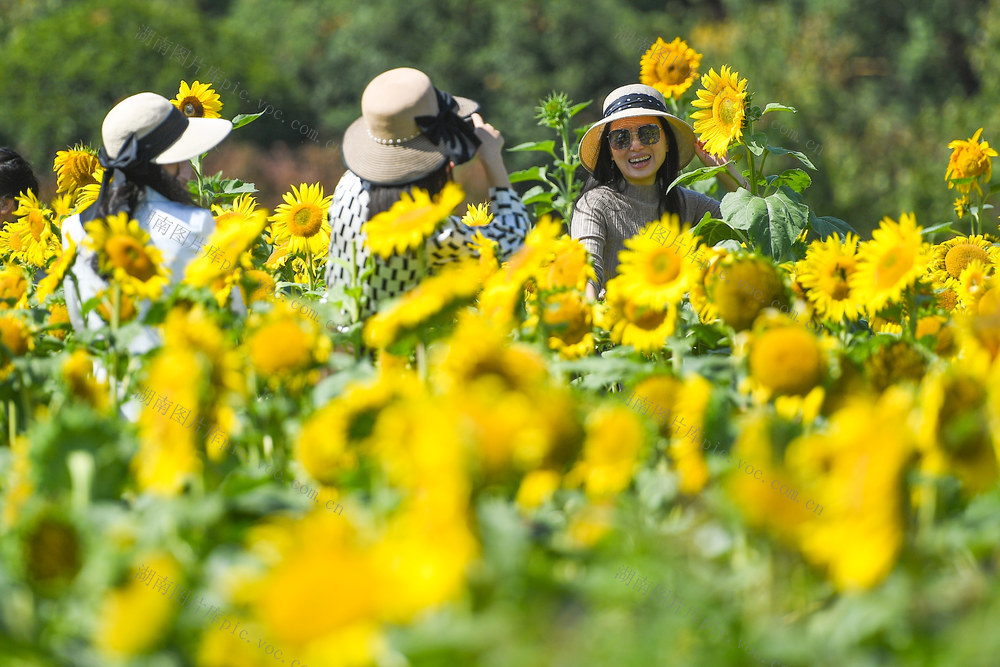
<point>11,422</point>
<point>753,173</point>
<point>911,314</point>
<point>116,298</point>
<point>309,266</point>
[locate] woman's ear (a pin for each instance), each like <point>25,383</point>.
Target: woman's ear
<point>7,205</point>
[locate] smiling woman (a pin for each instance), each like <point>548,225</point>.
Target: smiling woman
<point>633,153</point>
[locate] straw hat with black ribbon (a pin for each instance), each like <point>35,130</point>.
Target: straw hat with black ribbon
<point>636,100</point>
<point>408,129</point>
<point>147,129</point>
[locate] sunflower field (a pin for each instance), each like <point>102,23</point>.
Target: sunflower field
<point>772,442</point>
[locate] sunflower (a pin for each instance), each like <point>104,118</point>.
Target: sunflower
<point>691,403</point>
<point>478,215</point>
<point>435,297</point>
<point>17,341</point>
<point>410,220</point>
<point>610,453</point>
<point>76,168</point>
<point>126,307</point>
<point>670,68</point>
<point>961,206</point>
<point>536,488</point>
<point>740,287</point>
<point>486,250</point>
<point>786,360</point>
<point>13,287</point>
<point>57,272</point>
<point>890,263</point>
<point>37,240</point>
<point>569,322</point>
<point>969,160</point>
<point>825,274</point>
<point>973,283</point>
<point>284,346</point>
<point>87,195</point>
<point>198,100</point>
<point>257,285</point>
<point>78,372</point>
<point>646,328</point>
<point>569,267</point>
<point>242,207</point>
<point>654,274</point>
<point>955,431</point>
<point>330,439</point>
<point>134,617</point>
<point>723,108</point>
<point>950,258</point>
<point>124,250</point>
<point>58,316</point>
<point>302,222</point>
<point>895,362</point>
<point>479,348</point>
<point>859,531</point>
<point>229,243</point>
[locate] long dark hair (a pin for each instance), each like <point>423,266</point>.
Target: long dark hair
<point>16,175</point>
<point>382,197</point>
<point>606,172</point>
<point>152,175</point>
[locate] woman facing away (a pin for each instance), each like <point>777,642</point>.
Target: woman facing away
<point>16,178</point>
<point>411,135</point>
<point>147,143</point>
<point>633,153</point>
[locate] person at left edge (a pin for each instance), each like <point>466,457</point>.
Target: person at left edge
<point>16,177</point>
<point>147,143</point>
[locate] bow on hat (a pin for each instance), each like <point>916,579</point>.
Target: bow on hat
<point>134,161</point>
<point>457,135</point>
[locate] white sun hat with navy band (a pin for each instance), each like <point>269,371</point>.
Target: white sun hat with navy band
<point>408,129</point>
<point>636,100</point>
<point>147,129</point>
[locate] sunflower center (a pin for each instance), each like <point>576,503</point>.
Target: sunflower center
<point>306,221</point>
<point>126,253</point>
<point>787,360</point>
<point>664,266</point>
<point>727,110</point>
<point>644,317</point>
<point>959,256</point>
<point>570,319</point>
<point>892,266</point>
<point>36,221</point>
<point>192,107</point>
<point>973,162</point>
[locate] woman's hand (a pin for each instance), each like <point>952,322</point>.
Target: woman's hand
<point>730,178</point>
<point>490,152</point>
<point>707,158</point>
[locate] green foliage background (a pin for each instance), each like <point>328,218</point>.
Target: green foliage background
<point>881,87</point>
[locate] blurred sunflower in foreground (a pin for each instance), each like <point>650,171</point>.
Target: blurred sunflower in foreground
<point>411,220</point>
<point>890,263</point>
<point>198,100</point>
<point>125,251</point>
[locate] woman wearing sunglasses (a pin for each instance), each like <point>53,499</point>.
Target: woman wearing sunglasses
<point>633,153</point>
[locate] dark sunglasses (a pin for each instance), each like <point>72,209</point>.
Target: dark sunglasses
<point>622,138</point>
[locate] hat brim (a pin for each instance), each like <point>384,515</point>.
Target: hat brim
<point>395,164</point>
<point>201,135</point>
<point>591,143</point>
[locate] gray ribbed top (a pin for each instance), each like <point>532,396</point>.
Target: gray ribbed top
<point>604,218</point>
